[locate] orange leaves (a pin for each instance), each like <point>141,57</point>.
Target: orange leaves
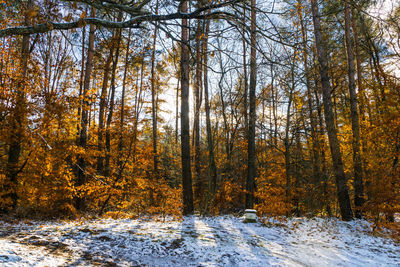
<point>227,198</point>
<point>32,13</point>
<point>69,17</point>
<point>83,15</point>
<point>271,193</point>
<point>154,197</point>
<point>81,21</point>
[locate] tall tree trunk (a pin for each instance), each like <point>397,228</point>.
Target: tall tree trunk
<point>287,142</point>
<point>102,107</point>
<point>107,167</point>
<point>196,128</point>
<point>81,81</point>
<point>342,190</point>
<point>314,139</point>
<point>210,142</point>
<point>18,119</point>
<point>185,126</point>
<point>274,97</point>
<point>287,154</point>
<point>81,179</point>
<point>177,111</point>
<point>297,167</point>
<point>324,198</point>
<point>355,124</point>
<point>138,100</point>
<point>361,97</point>
<point>121,164</point>
<point>153,99</point>
<point>122,115</point>
<point>245,80</point>
<point>251,157</point>
<point>223,111</point>
<point>359,68</point>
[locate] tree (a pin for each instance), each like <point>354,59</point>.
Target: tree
<point>107,167</point>
<point>210,141</point>
<point>185,131</point>
<point>153,98</point>
<point>355,123</point>
<point>197,108</point>
<point>92,131</point>
<point>317,174</point>
<point>19,114</point>
<point>102,106</point>
<point>137,15</point>
<point>81,165</point>
<point>251,168</point>
<point>342,190</point>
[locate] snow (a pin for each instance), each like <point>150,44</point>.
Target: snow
<point>196,241</point>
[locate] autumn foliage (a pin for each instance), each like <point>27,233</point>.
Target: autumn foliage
<point>42,156</point>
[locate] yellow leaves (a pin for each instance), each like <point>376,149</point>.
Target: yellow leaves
<point>31,13</point>
<point>68,18</point>
<point>81,21</point>
<point>114,215</point>
<point>5,200</point>
<point>47,168</point>
<point>154,196</point>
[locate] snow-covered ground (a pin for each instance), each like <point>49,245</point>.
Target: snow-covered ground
<point>195,241</point>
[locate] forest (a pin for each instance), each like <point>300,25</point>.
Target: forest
<point>170,108</point>
<point>199,133</point>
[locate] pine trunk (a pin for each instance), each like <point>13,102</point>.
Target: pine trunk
<point>153,100</point>
<point>185,126</point>
<point>81,179</point>
<point>210,142</point>
<point>341,181</point>
<point>355,124</point>
<point>251,157</point>
<point>102,106</point>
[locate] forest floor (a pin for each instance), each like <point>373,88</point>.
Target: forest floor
<point>195,241</point>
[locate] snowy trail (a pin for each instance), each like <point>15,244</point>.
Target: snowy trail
<point>196,241</point>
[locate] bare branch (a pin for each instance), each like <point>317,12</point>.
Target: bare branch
<point>134,22</point>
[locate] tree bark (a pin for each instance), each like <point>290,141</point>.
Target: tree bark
<point>153,99</point>
<point>357,159</point>
<point>102,107</point>
<point>81,179</point>
<point>185,126</point>
<point>210,142</point>
<point>121,164</point>
<point>314,139</point>
<point>324,198</point>
<point>122,115</point>
<point>287,144</point>
<point>342,190</point>
<point>177,112</point>
<point>78,126</point>
<point>197,104</point>
<point>107,167</point>
<point>245,75</point>
<point>361,100</point>
<point>274,97</point>
<point>251,157</point>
